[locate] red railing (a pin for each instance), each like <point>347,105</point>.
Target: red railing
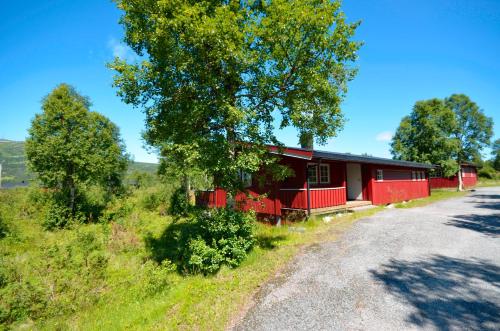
<point>320,197</point>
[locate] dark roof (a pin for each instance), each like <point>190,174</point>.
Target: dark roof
<point>367,159</point>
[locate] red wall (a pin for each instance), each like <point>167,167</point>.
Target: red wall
<point>269,200</point>
<point>469,178</point>
<point>396,190</point>
<point>442,182</point>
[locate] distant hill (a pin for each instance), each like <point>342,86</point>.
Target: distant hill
<point>15,172</point>
<point>13,162</point>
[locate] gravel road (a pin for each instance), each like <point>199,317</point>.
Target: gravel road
<point>434,268</point>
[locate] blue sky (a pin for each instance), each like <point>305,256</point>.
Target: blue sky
<point>413,50</point>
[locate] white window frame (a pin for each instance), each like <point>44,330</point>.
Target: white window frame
<point>327,166</point>
<point>315,167</point>
<point>380,175</point>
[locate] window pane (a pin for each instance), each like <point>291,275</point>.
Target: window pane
<point>312,172</point>
<point>324,175</point>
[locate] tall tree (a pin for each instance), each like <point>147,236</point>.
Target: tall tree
<point>424,136</point>
<point>495,151</point>
<point>219,76</point>
<point>70,145</point>
<point>444,132</point>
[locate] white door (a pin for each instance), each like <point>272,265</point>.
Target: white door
<point>354,187</point>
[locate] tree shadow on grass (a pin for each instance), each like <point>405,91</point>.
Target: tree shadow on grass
<point>170,244</point>
<point>446,293</point>
<point>485,224</point>
<point>173,240</point>
<point>268,242</point>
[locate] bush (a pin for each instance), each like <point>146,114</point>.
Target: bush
<point>4,230</point>
<point>487,172</point>
<point>207,241</point>
<point>154,278</point>
<point>179,203</point>
<point>156,197</point>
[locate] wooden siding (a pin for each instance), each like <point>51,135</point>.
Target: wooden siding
<point>327,197</point>
<point>320,197</point>
<point>443,182</point>
<point>213,198</point>
<point>469,178</point>
<point>396,191</point>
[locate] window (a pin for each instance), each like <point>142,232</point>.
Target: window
<point>312,173</point>
<point>422,175</point>
<point>413,175</point>
<point>324,173</point>
<point>380,174</point>
<point>245,178</point>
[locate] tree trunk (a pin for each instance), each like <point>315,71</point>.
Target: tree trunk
<point>460,181</point>
<point>72,195</point>
<point>186,183</point>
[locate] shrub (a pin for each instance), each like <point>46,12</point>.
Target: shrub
<point>487,172</point>
<point>179,203</point>
<point>4,230</point>
<point>56,216</point>
<point>156,197</point>
<point>222,237</point>
<point>154,278</point>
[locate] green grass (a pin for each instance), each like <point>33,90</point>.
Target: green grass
<point>188,302</point>
<point>436,195</point>
<point>484,182</point>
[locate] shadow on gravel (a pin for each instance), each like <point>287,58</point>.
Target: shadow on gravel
<point>486,224</point>
<point>446,293</point>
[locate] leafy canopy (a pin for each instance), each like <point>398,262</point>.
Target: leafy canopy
<point>217,77</point>
<point>70,145</point>
<point>443,132</point>
<point>495,151</point>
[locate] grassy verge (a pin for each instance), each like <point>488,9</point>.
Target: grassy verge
<point>436,195</point>
<point>207,303</point>
<point>186,302</point>
<point>483,182</point>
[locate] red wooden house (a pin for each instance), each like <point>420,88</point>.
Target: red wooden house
<point>469,177</point>
<point>325,181</point>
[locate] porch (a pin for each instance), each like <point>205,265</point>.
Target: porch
<point>318,200</point>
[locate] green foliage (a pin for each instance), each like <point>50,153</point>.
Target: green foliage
<point>443,132</point>
<point>70,146</point>
<point>473,130</point>
<point>65,277</point>
<point>225,238</point>
<point>215,73</point>
<point>495,151</point>
<point>424,136</point>
<point>4,229</point>
<point>206,241</point>
<point>179,203</point>
<point>488,171</point>
<point>57,216</point>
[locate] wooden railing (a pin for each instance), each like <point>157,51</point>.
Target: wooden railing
<point>320,197</point>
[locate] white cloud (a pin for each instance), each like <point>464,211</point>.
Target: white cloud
<point>384,136</point>
<point>122,51</point>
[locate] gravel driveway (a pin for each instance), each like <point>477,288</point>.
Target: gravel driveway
<point>434,268</point>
